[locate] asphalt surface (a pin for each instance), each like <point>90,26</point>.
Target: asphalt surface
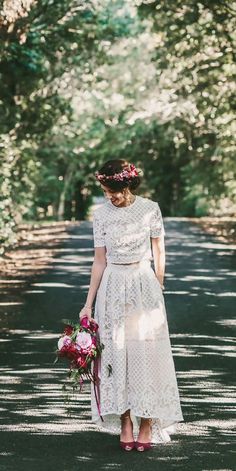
<point>38,430</point>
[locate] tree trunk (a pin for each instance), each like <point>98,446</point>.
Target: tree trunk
<point>62,199</point>
<point>80,202</point>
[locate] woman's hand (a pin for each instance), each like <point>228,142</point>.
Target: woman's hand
<point>86,311</point>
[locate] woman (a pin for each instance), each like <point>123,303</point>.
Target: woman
<point>138,388</point>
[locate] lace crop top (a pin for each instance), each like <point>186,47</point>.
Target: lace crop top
<point>126,231</point>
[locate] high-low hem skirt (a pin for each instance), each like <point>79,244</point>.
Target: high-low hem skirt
<point>136,369</point>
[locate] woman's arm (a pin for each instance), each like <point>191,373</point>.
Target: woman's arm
<point>98,267</point>
<point>158,251</point>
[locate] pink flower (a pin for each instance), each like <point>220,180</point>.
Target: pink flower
<point>84,340</point>
<point>64,341</point>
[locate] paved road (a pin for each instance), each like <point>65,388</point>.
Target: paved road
<point>38,431</point>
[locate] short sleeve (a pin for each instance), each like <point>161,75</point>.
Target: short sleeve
<point>156,222</point>
<point>98,232</point>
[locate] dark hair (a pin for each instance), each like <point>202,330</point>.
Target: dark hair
<point>116,166</point>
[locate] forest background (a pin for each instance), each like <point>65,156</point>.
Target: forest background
<point>83,82</point>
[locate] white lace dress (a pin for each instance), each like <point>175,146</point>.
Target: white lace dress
<point>130,311</point>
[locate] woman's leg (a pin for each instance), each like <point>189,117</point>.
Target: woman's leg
<point>126,427</point>
<point>145,431</point>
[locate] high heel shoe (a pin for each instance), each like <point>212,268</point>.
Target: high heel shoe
<point>140,446</point>
<point>143,446</point>
<point>127,446</point>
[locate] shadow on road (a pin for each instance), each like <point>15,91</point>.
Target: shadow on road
<point>40,430</point>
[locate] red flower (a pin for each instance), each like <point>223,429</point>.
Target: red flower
<point>80,355</point>
<point>62,352</point>
<point>81,362</point>
<point>93,325</point>
<point>90,324</point>
<point>68,330</point>
<point>84,322</point>
<point>72,352</point>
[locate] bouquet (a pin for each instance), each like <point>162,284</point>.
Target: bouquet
<point>80,345</point>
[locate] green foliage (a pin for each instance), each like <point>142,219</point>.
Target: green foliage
<point>40,43</point>
<point>197,44</point>
<point>84,82</point>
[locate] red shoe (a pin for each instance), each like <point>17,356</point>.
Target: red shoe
<point>143,446</point>
<point>127,446</point>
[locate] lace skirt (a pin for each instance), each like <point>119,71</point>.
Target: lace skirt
<point>136,369</point>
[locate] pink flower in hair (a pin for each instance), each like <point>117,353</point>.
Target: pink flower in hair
<point>130,173</point>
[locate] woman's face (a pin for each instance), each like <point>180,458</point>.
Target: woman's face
<point>117,197</point>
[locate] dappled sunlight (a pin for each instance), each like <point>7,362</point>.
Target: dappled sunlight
<point>220,295</point>
<point>194,277</point>
<point>65,261</point>
<point>35,391</point>
<point>54,285</point>
<point>213,337</point>
<point>83,82</point>
<point>11,303</point>
<point>34,291</point>
<point>82,237</point>
<point>176,292</point>
<point>213,246</point>
<point>11,281</point>
<point>72,251</point>
<point>35,250</point>
<point>199,291</point>
<point>41,335</point>
<point>227,322</point>
<point>198,271</point>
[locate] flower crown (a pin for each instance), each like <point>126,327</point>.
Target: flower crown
<point>132,172</point>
